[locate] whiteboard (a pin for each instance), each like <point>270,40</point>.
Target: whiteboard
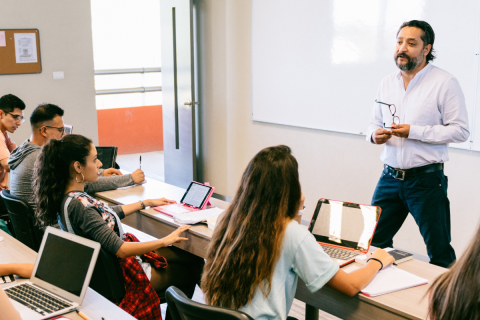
<point>318,64</point>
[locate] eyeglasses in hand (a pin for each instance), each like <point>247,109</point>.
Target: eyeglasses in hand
<point>393,111</point>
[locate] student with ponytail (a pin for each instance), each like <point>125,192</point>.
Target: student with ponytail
<point>258,250</point>
<point>60,174</point>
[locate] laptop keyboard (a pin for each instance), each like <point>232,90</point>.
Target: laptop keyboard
<point>341,254</point>
<point>35,299</point>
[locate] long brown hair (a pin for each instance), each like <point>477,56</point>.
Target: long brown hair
<point>455,294</point>
<point>51,174</point>
<point>247,241</point>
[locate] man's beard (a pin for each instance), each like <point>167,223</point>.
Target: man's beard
<point>411,62</point>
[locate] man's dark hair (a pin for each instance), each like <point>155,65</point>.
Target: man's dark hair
<point>9,102</point>
<point>45,112</point>
<point>428,36</point>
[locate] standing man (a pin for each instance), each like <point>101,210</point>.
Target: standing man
<point>418,112</point>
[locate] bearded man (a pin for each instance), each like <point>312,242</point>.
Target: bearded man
<point>418,111</point>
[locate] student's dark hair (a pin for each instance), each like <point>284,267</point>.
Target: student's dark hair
<point>52,174</point>
<point>9,102</point>
<point>247,241</point>
<point>428,36</point>
<point>43,113</point>
<point>455,294</point>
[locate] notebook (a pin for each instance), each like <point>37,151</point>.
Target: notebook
<point>392,279</point>
<point>343,229</point>
<point>195,198</point>
<point>60,277</point>
<point>197,216</point>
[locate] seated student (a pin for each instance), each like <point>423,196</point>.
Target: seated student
<point>258,251</point>
<point>47,123</point>
<point>61,171</point>
<point>11,117</point>
<point>455,294</point>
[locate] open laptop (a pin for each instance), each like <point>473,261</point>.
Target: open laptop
<point>195,198</point>
<point>60,277</point>
<point>343,229</point>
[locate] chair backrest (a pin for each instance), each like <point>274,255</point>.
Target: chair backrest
<point>22,218</point>
<point>107,278</point>
<point>182,308</point>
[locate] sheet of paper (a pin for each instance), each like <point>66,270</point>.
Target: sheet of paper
<point>197,216</point>
<point>25,47</point>
<point>3,41</point>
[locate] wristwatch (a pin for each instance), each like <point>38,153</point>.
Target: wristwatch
<point>143,204</point>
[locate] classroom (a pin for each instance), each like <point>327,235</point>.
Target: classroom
<point>305,85</point>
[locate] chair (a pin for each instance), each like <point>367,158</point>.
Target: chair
<point>22,219</point>
<point>107,278</point>
<point>182,308</point>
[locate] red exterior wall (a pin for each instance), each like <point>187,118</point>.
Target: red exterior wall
<point>132,130</point>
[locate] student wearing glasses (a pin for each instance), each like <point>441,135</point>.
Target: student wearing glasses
<point>11,117</point>
<point>47,123</point>
<point>419,110</point>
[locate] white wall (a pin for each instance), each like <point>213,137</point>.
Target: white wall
<point>66,45</point>
<point>332,165</point>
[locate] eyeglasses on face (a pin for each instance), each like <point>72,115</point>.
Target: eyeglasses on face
<point>17,117</point>
<point>393,111</point>
<point>60,129</point>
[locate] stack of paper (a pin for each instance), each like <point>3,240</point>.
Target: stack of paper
<point>392,279</point>
<point>197,216</point>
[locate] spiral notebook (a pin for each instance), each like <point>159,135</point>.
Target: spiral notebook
<point>392,279</point>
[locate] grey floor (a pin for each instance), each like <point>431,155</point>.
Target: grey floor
<point>152,163</point>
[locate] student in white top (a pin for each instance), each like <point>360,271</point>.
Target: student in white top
<point>258,250</point>
<point>419,110</point>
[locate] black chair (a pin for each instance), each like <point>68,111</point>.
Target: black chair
<point>107,278</point>
<point>182,308</point>
<point>22,219</point>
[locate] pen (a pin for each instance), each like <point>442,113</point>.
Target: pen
<point>104,318</point>
<point>140,162</point>
<point>83,315</point>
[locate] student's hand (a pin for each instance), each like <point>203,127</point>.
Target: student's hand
<point>138,176</point>
<point>174,237</point>
<point>401,130</point>
<point>380,136</point>
<point>158,202</point>
<point>111,172</point>
<point>381,255</point>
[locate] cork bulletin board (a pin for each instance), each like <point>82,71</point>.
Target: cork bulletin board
<point>20,51</point>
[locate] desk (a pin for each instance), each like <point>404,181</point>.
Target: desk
<point>405,304</point>
<point>94,305</point>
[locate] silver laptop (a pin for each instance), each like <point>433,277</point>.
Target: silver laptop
<point>344,229</point>
<point>60,277</point>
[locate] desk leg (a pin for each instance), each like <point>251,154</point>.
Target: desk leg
<point>311,313</point>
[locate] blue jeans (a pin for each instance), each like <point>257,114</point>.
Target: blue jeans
<point>425,197</point>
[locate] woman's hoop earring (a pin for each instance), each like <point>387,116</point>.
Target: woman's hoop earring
<point>83,178</point>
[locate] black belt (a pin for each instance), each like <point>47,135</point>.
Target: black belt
<point>402,174</point>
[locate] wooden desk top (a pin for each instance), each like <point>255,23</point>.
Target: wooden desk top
<point>94,305</point>
<point>153,190</point>
<point>407,303</point>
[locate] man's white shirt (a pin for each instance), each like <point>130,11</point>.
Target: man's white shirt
<point>434,107</point>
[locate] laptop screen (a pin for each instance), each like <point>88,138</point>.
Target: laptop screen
<point>64,263</point>
<point>344,224</point>
<point>196,194</point>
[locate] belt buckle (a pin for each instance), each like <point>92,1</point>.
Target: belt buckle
<point>403,174</point>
